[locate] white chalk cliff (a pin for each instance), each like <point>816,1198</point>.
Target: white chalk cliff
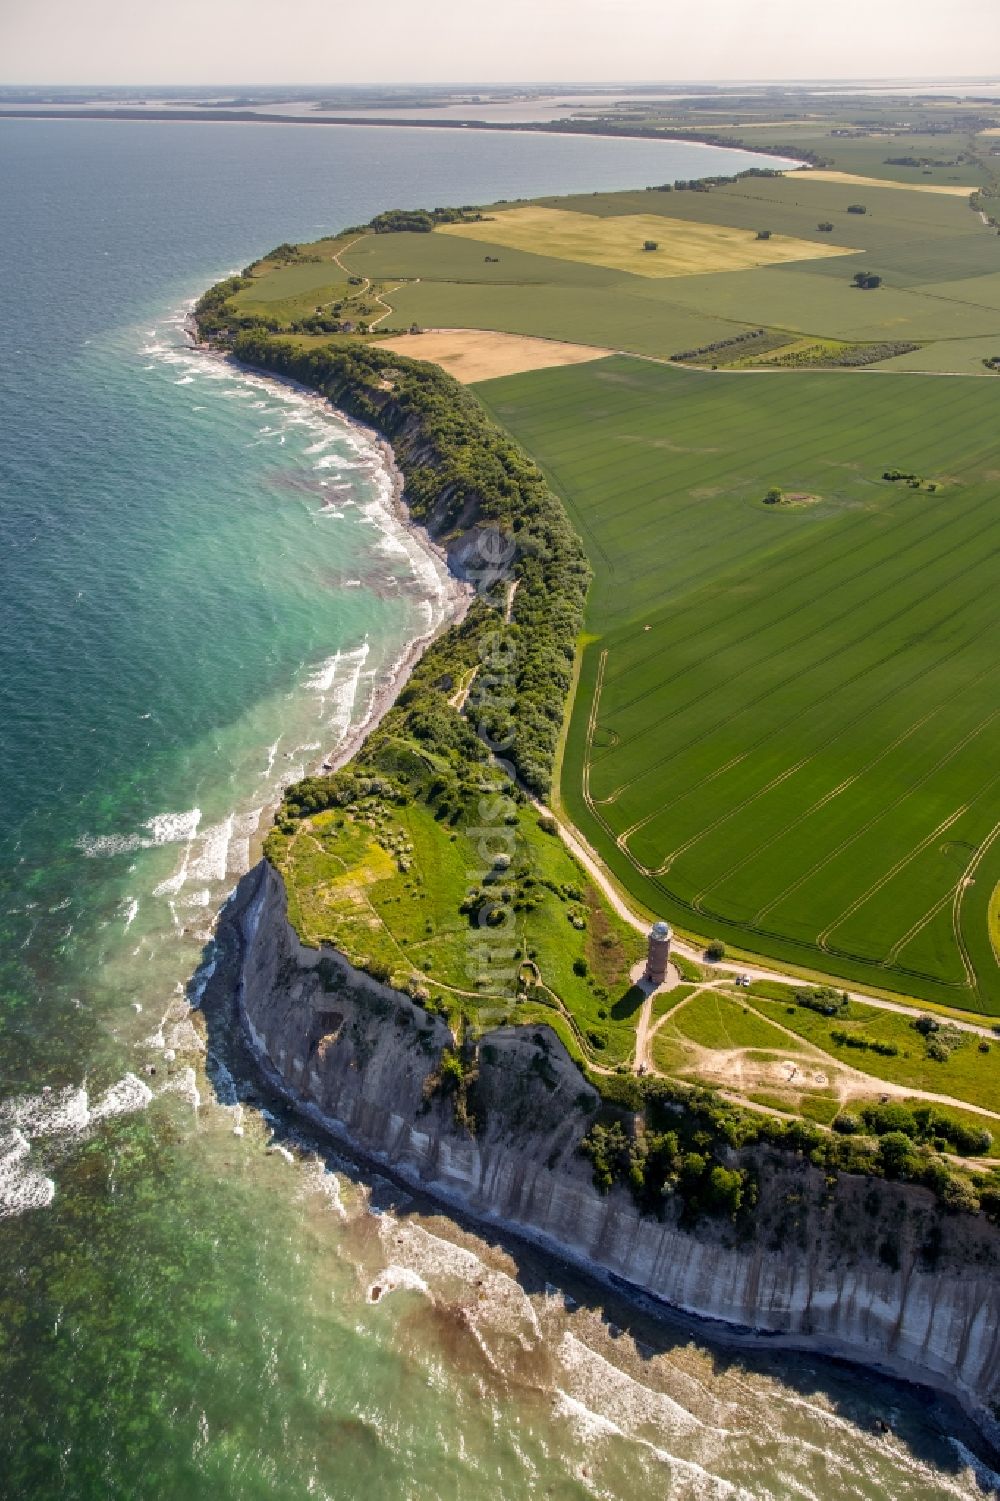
<point>814,1273</point>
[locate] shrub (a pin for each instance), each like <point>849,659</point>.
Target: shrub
<point>716,950</point>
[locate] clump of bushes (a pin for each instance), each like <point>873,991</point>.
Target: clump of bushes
<point>913,481</point>
<point>688,355</point>
<point>825,1001</point>
<point>941,1038</point>
<point>864,1044</point>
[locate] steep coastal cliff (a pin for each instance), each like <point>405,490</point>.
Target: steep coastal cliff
<point>877,1273</point>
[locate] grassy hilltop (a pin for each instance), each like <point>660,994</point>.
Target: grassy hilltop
<point>784,697</point>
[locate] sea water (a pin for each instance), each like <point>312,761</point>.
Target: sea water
<point>204,589</point>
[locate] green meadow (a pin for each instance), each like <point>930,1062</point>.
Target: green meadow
<point>786,723</point>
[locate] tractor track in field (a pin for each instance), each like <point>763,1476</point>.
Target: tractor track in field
<point>943,587</point>
<point>870,824</point>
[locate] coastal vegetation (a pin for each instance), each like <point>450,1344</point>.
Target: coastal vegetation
<point>731,609</point>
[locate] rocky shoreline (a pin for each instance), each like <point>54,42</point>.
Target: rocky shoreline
<point>320,1034</point>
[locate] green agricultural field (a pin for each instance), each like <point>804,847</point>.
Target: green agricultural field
<point>786,723</point>
<point>574,268</point>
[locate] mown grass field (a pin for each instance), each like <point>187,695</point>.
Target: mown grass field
<point>786,725</point>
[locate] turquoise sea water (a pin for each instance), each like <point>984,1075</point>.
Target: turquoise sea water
<point>202,591</point>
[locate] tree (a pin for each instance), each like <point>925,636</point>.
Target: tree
<point>716,950</point>
<point>898,1156</point>
<point>723,1193</point>
<point>826,226</point>
<point>763,234</point>
<point>774,496</point>
<point>867,280</point>
<point>651,245</point>
<point>856,208</point>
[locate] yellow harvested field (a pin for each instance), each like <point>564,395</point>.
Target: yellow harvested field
<point>471,354</point>
<point>684,248</point>
<point>822,175</point>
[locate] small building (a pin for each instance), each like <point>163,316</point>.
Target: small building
<point>658,957</point>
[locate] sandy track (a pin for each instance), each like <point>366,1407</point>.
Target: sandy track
<point>472,354</point>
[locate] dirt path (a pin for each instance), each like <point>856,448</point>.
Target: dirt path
<point>737,1069</point>
<point>590,860</point>
<point>366,280</point>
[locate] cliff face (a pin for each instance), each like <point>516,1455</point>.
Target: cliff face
<point>873,1272</point>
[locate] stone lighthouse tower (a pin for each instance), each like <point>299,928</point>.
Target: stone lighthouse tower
<point>658,958</point>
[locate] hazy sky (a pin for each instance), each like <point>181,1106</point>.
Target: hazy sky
<point>343,41</point>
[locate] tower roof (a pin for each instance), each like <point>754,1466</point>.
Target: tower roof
<point>661,930</point>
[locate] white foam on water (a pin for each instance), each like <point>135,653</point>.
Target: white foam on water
<point>62,1115</point>
<point>173,828</point>
<point>688,1478</point>
<point>345,696</point>
<point>124,1098</point>
<point>200,981</point>
<point>209,864</point>
<point>623,1400</point>
<point>272,751</point>
<point>52,1112</point>
<point>321,443</point>
<point>129,911</point>
<point>392,1279</point>
<point>21,1187</point>
<point>987,1479</point>
<point>185,380</point>
<point>322,678</point>
<point>173,883</point>
<point>183,1037</point>
<point>502,1300</point>
<point>185,1084</point>
<point>96,846</point>
<point>223,1083</point>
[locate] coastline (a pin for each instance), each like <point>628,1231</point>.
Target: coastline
<point>247,913</point>
<point>437,1189</point>
<point>454,595</point>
